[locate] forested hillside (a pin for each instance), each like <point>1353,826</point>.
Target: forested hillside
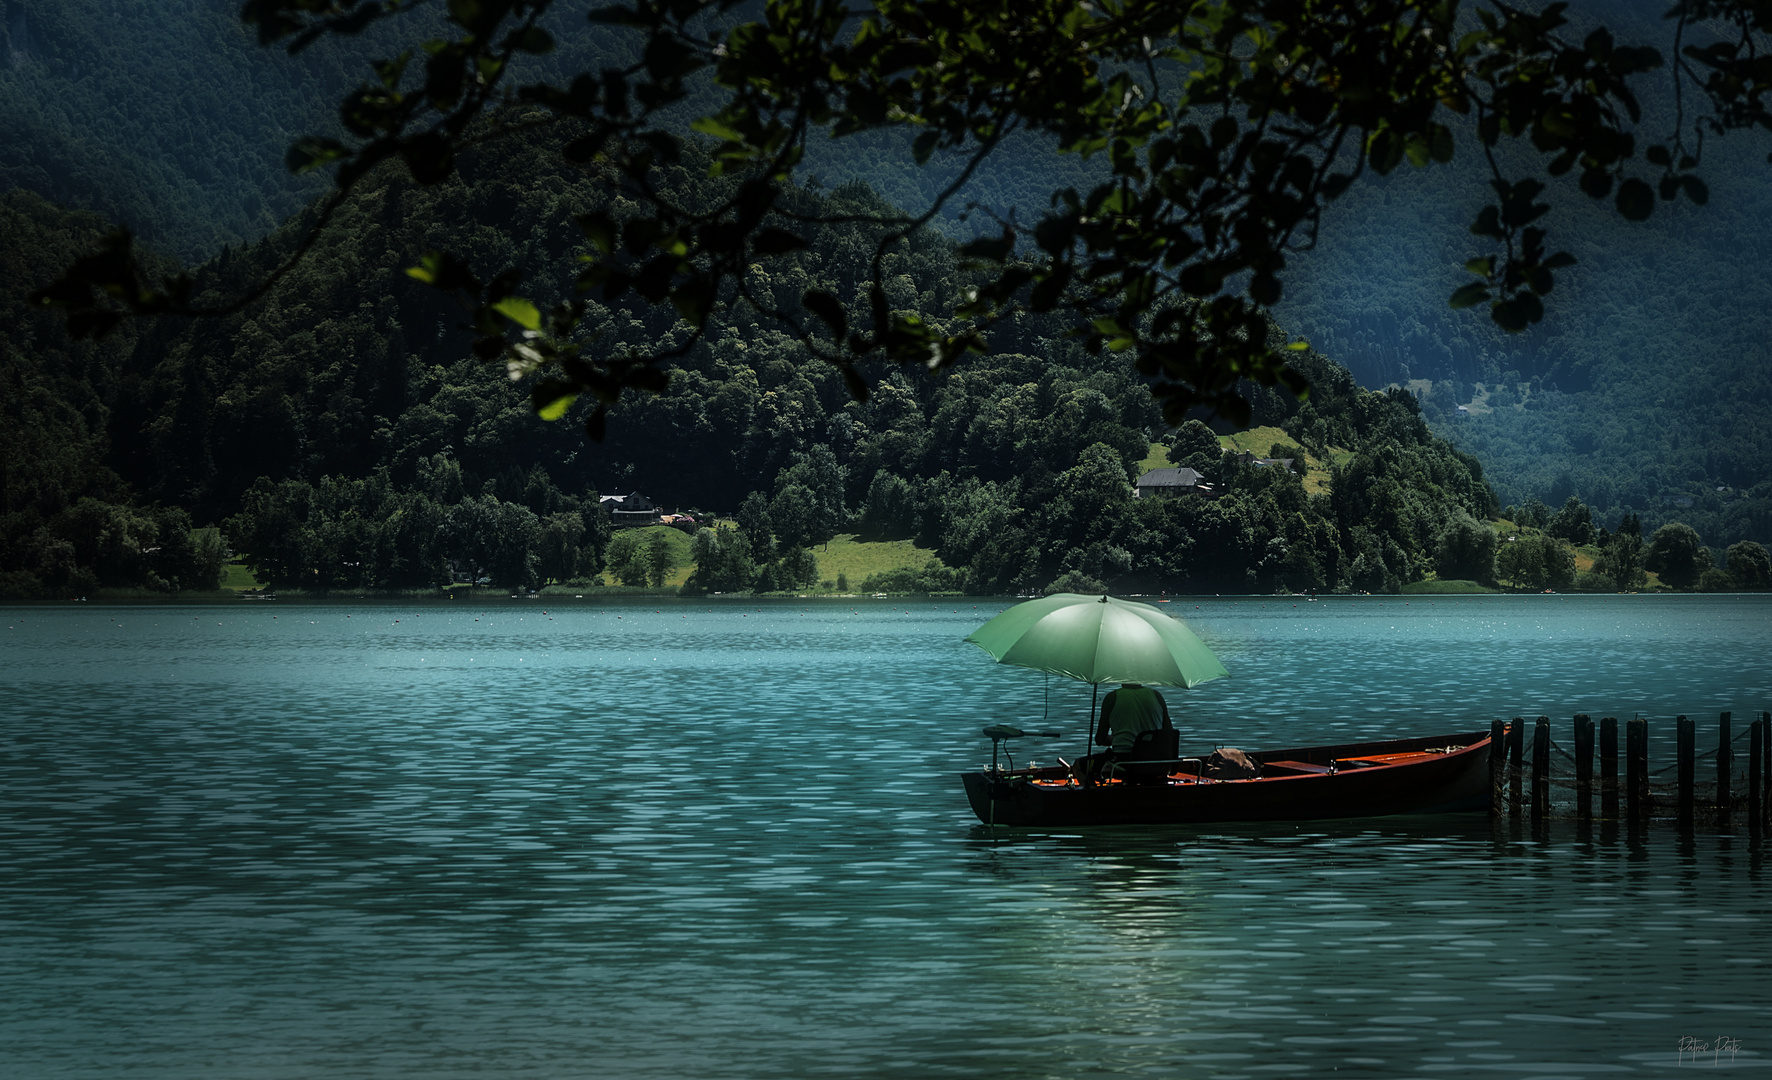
<point>342,435</point>
<point>1645,388</point>
<point>350,390</point>
<point>170,118</point>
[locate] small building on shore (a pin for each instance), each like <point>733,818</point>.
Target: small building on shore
<point>1164,483</point>
<point>630,509</point>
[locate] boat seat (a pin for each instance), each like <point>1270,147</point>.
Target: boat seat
<point>1149,760</point>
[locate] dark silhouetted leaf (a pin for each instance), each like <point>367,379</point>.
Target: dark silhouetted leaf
<point>773,241</point>
<point>1635,200</point>
<point>429,157</point>
<point>829,309</point>
<point>1470,295</point>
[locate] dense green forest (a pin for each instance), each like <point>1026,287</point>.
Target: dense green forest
<point>348,395</point>
<point>341,435</point>
<point>1644,390</point>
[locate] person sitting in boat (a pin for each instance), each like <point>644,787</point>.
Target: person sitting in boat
<point>1127,711</point>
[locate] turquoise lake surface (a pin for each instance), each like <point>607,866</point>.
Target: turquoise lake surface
<point>727,838</point>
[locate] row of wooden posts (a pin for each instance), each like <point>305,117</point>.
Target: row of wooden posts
<point>1507,772</point>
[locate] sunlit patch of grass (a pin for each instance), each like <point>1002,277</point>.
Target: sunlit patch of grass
<point>679,541</point>
<point>1260,442</point>
<point>856,559</point>
<point>1448,587</point>
<point>1158,458</point>
<point>238,578</point>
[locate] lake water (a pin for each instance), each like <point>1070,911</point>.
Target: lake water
<point>506,838</point>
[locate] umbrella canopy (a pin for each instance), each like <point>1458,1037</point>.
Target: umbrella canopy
<point>1098,639</point>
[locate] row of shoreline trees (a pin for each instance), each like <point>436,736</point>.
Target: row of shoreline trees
<point>345,443</point>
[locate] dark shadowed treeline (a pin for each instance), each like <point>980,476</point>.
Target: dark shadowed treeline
<point>1644,392</point>
<point>342,435</point>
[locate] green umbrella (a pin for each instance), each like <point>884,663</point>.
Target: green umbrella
<point>1098,639</point>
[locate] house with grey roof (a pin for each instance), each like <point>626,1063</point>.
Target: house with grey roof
<point>1166,482</point>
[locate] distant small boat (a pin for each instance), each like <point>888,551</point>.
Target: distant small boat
<point>1433,775</point>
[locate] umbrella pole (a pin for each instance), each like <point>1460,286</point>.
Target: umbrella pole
<point>1094,691</point>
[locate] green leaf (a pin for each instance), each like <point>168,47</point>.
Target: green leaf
<point>989,248</point>
<point>708,125</point>
<point>924,146</point>
<point>585,148</point>
<point>1470,295</point>
<point>1488,223</point>
<point>773,241</point>
<point>615,15</point>
<point>552,397</point>
<point>1517,314</point>
<point>693,300</point>
<point>555,409</point>
<point>310,153</point>
<point>429,157</point>
<point>1385,152</point>
<point>519,311</point>
<point>1635,200</point>
<point>536,41</point>
<point>829,309</point>
<point>599,228</point>
<point>1439,142</point>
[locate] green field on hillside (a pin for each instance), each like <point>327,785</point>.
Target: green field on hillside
<point>237,577</point>
<point>856,559</point>
<point>1260,442</point>
<point>1449,587</point>
<point>1158,458</point>
<point>679,541</point>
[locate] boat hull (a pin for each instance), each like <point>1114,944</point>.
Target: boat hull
<point>1440,774</point>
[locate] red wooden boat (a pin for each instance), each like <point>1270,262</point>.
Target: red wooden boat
<point>1439,774</point>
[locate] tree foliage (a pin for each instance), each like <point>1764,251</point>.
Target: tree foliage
<point>1225,128</point>
<point>1677,554</point>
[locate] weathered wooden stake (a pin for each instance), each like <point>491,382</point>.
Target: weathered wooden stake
<point>1498,764</point>
<point>1636,770</point>
<point>1516,741</point>
<point>1766,770</point>
<point>1686,742</point>
<point>1609,767</point>
<point>1725,765</point>
<point>1756,734</point>
<point>1584,765</point>
<point>1541,769</point>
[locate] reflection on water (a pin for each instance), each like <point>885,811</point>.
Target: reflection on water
<point>727,840</point>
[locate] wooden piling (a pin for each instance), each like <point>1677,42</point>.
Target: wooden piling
<point>1498,764</point>
<point>1636,770</point>
<point>1609,767</point>
<point>1584,766</point>
<point>1756,734</point>
<point>1541,769</point>
<point>1516,740</point>
<point>1725,766</point>
<point>1686,740</point>
<point>1766,770</point>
